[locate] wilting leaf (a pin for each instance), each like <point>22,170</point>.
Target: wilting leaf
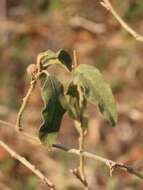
<point>96,90</point>
<point>71,104</point>
<point>52,93</point>
<point>61,57</point>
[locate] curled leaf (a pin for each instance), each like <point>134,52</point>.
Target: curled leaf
<point>52,93</point>
<point>61,57</point>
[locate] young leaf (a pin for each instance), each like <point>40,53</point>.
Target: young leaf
<point>61,57</point>
<point>96,90</point>
<point>52,92</point>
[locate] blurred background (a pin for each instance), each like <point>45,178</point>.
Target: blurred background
<point>28,27</point>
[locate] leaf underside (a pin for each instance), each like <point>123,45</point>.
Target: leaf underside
<point>52,91</point>
<point>96,90</point>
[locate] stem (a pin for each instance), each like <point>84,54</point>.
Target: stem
<point>80,173</point>
<point>24,104</point>
<point>75,59</point>
<point>81,148</point>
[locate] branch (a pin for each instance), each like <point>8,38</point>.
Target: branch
<point>27,164</point>
<point>78,176</point>
<point>111,164</point>
<point>106,4</point>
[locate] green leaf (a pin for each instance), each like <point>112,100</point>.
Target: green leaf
<point>71,104</point>
<point>61,57</point>
<point>96,90</point>
<point>73,99</point>
<point>52,92</point>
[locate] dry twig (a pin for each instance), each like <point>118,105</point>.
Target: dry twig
<point>111,164</point>
<point>106,4</point>
<point>27,164</point>
<point>78,176</point>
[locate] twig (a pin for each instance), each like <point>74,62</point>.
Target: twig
<point>27,164</point>
<point>78,176</point>
<point>24,104</point>
<point>80,172</point>
<point>106,4</point>
<point>109,163</point>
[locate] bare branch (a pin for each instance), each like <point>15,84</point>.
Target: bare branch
<point>111,164</point>
<point>106,4</point>
<point>27,164</point>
